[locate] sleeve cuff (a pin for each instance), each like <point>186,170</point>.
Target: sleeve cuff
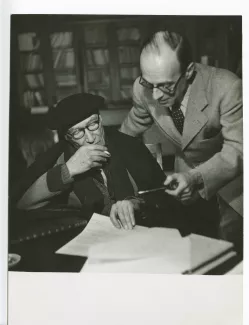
<point>59,179</point>
<point>198,180</point>
<point>136,201</point>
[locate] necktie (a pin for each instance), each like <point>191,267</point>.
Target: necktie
<point>107,193</point>
<point>178,118</point>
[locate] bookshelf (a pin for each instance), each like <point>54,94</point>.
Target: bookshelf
<point>63,64</point>
<point>32,93</point>
<point>58,57</point>
<point>96,60</point>
<point>128,45</point>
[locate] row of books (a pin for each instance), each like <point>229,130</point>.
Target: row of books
<point>127,34</point>
<point>63,39</point>
<point>101,77</point>
<point>98,57</point>
<point>63,59</point>
<point>95,35</point>
<point>30,62</point>
<point>28,42</point>
<point>128,54</point>
<point>34,80</point>
<point>33,98</point>
<point>68,80</point>
<point>129,74</point>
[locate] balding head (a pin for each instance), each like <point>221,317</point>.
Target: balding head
<point>166,61</point>
<point>158,42</point>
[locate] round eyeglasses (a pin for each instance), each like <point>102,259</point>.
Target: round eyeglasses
<point>79,133</point>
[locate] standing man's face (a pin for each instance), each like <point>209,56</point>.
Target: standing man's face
<point>163,70</point>
<point>86,132</point>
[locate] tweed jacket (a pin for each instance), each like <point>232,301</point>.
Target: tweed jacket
<point>212,136</point>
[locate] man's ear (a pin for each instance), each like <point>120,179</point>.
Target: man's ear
<point>190,70</point>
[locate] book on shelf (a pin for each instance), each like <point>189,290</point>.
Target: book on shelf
<point>28,42</point>
<point>126,34</point>
<point>35,80</point>
<point>63,59</point>
<point>97,57</point>
<point>33,98</point>
<point>62,39</point>
<point>63,80</point>
<point>39,98</point>
<point>31,61</point>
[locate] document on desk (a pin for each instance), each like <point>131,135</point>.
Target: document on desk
<point>155,250</point>
<point>98,230</point>
<point>152,265</point>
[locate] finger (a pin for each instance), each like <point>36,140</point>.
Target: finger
<point>186,190</point>
<point>183,196</point>
<point>176,192</point>
<point>99,153</point>
<point>121,216</point>
<point>97,147</point>
<point>127,215</point>
<point>184,199</point>
<point>131,212</point>
<point>168,180</point>
<point>95,164</point>
<point>98,158</point>
<point>113,217</point>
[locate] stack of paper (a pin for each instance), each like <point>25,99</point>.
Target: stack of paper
<point>143,250</point>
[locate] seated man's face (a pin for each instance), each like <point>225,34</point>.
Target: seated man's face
<point>86,132</point>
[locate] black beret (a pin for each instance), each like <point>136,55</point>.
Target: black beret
<point>72,110</point>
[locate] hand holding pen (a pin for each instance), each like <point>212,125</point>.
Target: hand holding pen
<point>170,186</point>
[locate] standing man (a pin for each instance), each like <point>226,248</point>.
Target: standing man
<point>199,109</point>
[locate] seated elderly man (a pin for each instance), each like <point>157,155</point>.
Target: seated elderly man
<point>89,166</point>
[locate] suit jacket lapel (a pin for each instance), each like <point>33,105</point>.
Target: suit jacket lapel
<point>163,119</point>
<point>195,119</point>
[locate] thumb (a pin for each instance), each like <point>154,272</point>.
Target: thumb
<point>169,179</point>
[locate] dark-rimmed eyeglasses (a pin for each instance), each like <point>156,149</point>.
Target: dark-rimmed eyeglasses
<point>79,133</point>
<point>168,90</point>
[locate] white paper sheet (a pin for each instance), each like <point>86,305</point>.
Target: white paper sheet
<point>141,250</point>
<point>98,230</point>
<point>153,265</point>
<point>143,244</point>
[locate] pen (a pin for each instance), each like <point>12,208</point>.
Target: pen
<point>171,186</point>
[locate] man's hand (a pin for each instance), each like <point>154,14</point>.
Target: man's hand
<point>186,190</point>
<point>122,214</point>
<point>86,158</point>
